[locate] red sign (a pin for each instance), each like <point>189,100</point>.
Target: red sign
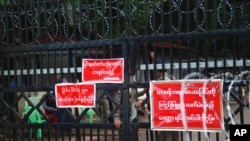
<point>75,95</point>
<point>186,105</point>
<point>103,70</point>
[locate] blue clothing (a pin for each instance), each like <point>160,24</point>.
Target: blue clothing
<point>12,84</point>
<point>61,114</point>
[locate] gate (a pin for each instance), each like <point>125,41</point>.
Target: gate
<point>191,39</point>
<point>42,80</point>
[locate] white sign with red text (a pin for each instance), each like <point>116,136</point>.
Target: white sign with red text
<point>103,70</point>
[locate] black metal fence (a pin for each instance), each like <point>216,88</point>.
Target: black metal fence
<point>40,39</point>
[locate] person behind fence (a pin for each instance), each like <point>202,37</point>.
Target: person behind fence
<point>62,115</point>
<point>49,105</point>
<point>104,103</point>
<point>161,74</point>
<point>11,97</point>
<point>117,115</point>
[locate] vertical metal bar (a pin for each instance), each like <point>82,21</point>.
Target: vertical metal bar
<point>145,10</point>
<point>60,54</point>
<point>59,17</point>
<point>118,18</point>
<point>28,69</point>
<point>179,16</point>
<point>88,18</point>
<point>66,21</point>
<point>2,65</point>
<point>74,21</point>
<point>197,15</point>
<point>189,57</point>
<point>130,24</point>
<point>46,25</point>
<point>170,19</point>
<point>7,26</point>
<point>22,60</point>
<point>81,21</point>
<point>2,13</point>
<point>215,48</point>
<point>180,58</point>
<point>96,17</point>
<point>224,14</point>
<point>32,21</point>
<point>196,29</point>
<point>243,45</point>
<point>47,66</point>
<point>54,64</point>
<point>217,137</point>
<point>126,2</point>
<point>224,47</point>
<point>206,16</point>
<point>110,19</point>
<point>14,65</point>
<point>154,18</point>
<point>19,22</point>
<point>244,14</point>
<point>34,66</point>
<point>146,61</point>
<point>188,16</point>
<point>38,22</point>
<point>132,58</point>
<point>40,61</point>
<point>197,56</point>
<point>162,17</point>
<point>26,24</point>
<point>125,95</point>
<point>69,61</point>
<point>138,20</point>
<point>215,11</point>
<point>171,55</point>
<point>207,46</point>
<point>179,42</point>
<point>163,48</point>
<point>214,41</point>
<point>74,62</point>
<point>12,24</point>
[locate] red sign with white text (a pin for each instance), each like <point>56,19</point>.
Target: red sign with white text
<point>103,70</point>
<point>186,105</point>
<point>75,95</point>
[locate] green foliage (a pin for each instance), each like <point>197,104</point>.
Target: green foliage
<point>4,2</point>
<point>95,15</point>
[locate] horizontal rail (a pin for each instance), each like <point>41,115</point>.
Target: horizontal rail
<point>209,64</point>
<point>184,65</point>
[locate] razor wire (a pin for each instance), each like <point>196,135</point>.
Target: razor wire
<point>230,81</point>
<point>115,19</point>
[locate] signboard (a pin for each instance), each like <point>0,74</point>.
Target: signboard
<point>103,70</point>
<point>75,95</point>
<point>186,105</point>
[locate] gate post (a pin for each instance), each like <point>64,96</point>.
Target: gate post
<point>125,131</point>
